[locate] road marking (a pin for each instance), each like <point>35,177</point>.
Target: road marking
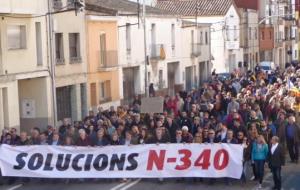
<point>130,184</point>
<point>15,187</point>
<point>120,185</point>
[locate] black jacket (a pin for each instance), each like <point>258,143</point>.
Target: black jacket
<point>277,159</point>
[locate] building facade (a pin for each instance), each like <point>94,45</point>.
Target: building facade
<point>224,18</point>
<point>25,85</point>
<point>103,75</point>
<point>70,60</point>
<point>249,32</point>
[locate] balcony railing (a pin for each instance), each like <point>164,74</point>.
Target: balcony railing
<point>158,52</point>
<point>195,49</point>
<point>57,4</point>
<point>279,42</point>
<point>60,61</point>
<point>105,100</point>
<point>74,60</point>
<point>108,59</point>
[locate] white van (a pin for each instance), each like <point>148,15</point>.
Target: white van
<point>267,66</point>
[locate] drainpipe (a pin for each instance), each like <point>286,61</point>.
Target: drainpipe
<point>52,65</point>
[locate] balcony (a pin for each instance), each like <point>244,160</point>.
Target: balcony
<point>195,50</point>
<point>60,61</point>
<point>157,52</point>
<point>105,100</point>
<point>74,60</point>
<point>288,40</point>
<point>108,59</point>
<point>279,43</point>
<point>288,20</point>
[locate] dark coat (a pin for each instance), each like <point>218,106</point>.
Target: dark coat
<point>233,141</point>
<point>278,158</point>
<point>296,133</point>
<point>85,142</point>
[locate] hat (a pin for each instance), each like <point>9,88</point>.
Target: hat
<point>185,128</point>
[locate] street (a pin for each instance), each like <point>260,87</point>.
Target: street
<point>290,176</point>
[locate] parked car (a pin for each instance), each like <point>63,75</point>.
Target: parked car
<point>224,76</point>
<point>267,67</point>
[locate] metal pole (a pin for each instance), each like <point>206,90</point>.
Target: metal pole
<point>145,48</point>
<point>52,65</point>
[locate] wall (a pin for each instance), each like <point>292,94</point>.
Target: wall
<point>69,74</point>
<point>180,55</point>
<point>39,90</point>
<point>268,42</point>
<point>23,6</point>
<point>12,112</point>
<point>23,60</point>
<point>96,26</point>
<point>221,48</point>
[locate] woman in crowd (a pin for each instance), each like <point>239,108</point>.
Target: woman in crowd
<point>260,152</point>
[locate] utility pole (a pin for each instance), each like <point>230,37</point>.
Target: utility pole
<point>145,48</point>
<point>52,64</point>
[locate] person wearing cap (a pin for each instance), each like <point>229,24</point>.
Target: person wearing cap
<point>186,136</point>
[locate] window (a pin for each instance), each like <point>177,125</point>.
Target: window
<point>235,33</point>
<point>192,36</point>
<point>102,49</point>
<point>153,33</point>
<point>160,79</point>
<point>64,107</point>
<point>201,37</point>
<point>128,38</point>
<point>249,34</point>
<point>228,33</point>
<point>93,94</point>
<point>173,36</point>
<point>38,42</point>
<point>270,33</point>
<point>263,35</point>
<point>255,33</point>
<point>206,38</point>
<point>256,57</point>
<point>105,94</point>
<point>59,48</point>
<point>74,47</point>
<point>16,36</point>
<point>149,77</point>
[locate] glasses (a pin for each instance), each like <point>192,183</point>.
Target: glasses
<point>211,133</point>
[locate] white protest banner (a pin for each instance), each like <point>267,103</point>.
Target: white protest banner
<point>135,161</point>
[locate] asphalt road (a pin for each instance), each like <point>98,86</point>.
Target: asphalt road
<point>290,175</point>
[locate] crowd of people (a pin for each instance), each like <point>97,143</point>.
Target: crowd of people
<point>247,108</point>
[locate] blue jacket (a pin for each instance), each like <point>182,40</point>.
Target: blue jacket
<point>259,153</point>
